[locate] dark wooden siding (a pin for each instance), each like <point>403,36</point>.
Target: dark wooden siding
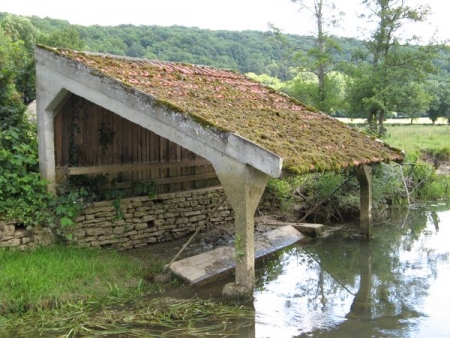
<point>90,140</point>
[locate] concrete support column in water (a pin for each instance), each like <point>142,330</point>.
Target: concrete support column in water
<point>364,176</point>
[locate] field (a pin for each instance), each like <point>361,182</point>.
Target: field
<point>416,139</point>
<point>403,121</point>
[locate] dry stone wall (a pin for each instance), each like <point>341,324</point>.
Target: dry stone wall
<point>144,220</point>
<point>17,236</point>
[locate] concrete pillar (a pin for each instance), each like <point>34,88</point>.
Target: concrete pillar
<point>47,97</point>
<point>364,176</point>
<point>243,186</point>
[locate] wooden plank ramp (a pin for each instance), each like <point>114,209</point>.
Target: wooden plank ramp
<point>218,263</point>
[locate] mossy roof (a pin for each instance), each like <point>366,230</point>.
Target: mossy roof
<point>226,101</point>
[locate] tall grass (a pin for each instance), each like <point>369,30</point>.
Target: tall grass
<point>47,277</point>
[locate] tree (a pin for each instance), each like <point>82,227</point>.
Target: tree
<point>20,31</point>
<point>387,68</point>
<point>439,88</point>
<point>11,104</point>
<point>320,58</point>
<point>67,37</point>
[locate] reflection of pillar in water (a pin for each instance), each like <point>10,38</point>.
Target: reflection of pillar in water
<point>361,306</point>
<point>435,219</point>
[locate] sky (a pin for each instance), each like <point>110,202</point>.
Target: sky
<point>216,14</point>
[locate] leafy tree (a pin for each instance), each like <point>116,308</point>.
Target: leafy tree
<point>414,108</point>
<point>20,31</point>
<point>67,37</point>
<point>318,57</point>
<point>11,105</point>
<point>305,87</point>
<point>267,80</point>
<point>20,28</point>
<point>22,192</point>
<point>382,81</point>
<point>439,88</point>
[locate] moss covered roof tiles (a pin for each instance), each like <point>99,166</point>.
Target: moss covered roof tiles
<point>226,101</point>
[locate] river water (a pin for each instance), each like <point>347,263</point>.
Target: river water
<point>396,285</point>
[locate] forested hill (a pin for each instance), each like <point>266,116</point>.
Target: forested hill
<point>244,51</point>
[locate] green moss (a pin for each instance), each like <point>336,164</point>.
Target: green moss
<point>167,104</point>
<point>206,123</point>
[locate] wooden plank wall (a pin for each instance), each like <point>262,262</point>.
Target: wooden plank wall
<point>89,137</point>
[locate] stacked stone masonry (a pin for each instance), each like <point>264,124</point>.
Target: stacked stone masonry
<point>14,235</point>
<point>144,220</point>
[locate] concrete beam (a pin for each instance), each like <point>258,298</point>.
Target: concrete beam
<point>243,186</point>
<point>364,176</point>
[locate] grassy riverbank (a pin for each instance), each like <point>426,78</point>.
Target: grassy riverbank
<point>47,277</point>
<point>66,291</point>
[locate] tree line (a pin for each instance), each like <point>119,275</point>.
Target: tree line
<point>372,78</point>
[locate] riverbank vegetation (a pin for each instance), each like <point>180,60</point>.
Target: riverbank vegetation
<point>48,277</point>
<point>145,316</point>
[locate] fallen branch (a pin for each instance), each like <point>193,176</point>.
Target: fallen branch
<point>195,233</point>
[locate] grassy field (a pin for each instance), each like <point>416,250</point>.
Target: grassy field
<point>404,121</point>
<point>419,138</point>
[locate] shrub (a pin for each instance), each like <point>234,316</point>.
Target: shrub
<point>22,192</point>
<point>279,193</point>
<point>443,154</point>
<point>342,204</point>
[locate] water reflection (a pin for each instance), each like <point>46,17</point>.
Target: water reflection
<point>392,286</point>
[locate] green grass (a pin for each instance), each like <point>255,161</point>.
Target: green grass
<point>66,291</point>
<point>50,276</point>
<point>416,139</point>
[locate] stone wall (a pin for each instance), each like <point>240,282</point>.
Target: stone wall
<point>17,236</point>
<point>145,220</point>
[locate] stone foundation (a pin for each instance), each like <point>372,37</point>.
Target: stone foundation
<point>145,220</point>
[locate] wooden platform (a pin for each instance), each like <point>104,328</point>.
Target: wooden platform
<point>213,265</point>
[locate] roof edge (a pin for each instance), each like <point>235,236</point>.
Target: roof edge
<point>254,155</point>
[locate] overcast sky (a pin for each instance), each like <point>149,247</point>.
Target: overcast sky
<point>212,14</point>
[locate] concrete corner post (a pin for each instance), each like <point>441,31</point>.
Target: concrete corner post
<point>46,92</point>
<point>243,187</point>
<point>364,176</point>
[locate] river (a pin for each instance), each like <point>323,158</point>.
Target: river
<point>395,285</point>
